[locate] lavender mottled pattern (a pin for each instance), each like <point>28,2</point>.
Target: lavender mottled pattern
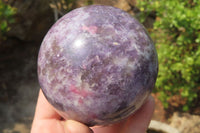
<point>97,65</point>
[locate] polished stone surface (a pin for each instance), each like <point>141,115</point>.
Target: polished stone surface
<point>97,65</point>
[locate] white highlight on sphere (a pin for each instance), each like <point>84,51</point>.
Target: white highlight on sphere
<point>79,43</point>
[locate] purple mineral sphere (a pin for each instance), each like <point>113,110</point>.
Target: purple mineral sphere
<point>97,65</point>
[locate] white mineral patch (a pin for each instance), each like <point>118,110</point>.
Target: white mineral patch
<point>120,61</point>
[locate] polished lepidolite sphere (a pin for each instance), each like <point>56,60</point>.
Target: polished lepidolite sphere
<point>97,65</point>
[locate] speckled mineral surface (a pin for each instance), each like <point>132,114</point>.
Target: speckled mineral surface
<point>97,65</point>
